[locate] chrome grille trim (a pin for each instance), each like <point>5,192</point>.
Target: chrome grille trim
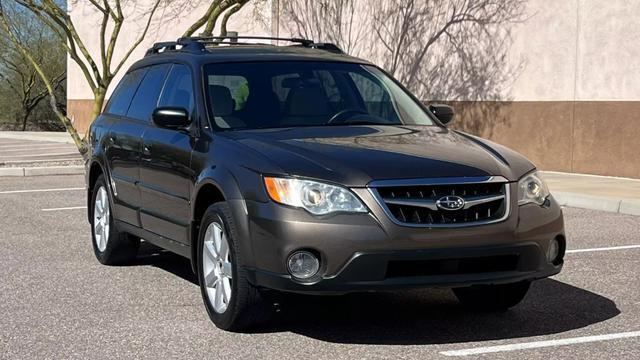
<point>438,181</point>
<point>431,205</point>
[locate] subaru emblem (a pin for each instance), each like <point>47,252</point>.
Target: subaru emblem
<point>450,203</point>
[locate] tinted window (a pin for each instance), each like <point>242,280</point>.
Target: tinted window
<point>178,90</point>
<point>291,94</point>
<point>237,85</point>
<point>374,96</point>
<point>146,98</point>
<point>121,97</point>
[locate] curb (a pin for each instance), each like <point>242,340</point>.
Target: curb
<point>620,206</point>
<point>39,171</point>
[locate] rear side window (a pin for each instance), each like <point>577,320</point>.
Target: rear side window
<point>178,90</point>
<point>121,97</point>
<point>146,98</point>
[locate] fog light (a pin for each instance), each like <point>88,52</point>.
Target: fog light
<point>553,251</point>
<point>303,264</point>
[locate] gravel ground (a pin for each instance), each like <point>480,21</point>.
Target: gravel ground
<point>57,301</point>
<point>78,162</point>
<point>29,153</point>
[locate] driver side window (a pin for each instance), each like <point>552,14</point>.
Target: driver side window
<point>178,89</point>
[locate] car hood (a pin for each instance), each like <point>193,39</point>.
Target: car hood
<point>355,155</point>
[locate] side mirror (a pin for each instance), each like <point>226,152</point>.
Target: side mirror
<point>171,118</point>
<point>444,113</point>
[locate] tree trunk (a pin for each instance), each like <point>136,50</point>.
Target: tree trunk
<point>80,143</point>
<point>25,117</point>
<point>98,104</point>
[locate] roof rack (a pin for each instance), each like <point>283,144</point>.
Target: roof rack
<point>161,47</point>
<point>197,44</point>
<point>233,39</point>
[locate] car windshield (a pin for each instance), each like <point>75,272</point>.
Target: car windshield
<point>292,94</point>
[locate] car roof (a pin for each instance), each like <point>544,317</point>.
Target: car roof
<point>247,53</point>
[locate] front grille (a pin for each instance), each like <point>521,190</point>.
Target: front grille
<point>418,204</point>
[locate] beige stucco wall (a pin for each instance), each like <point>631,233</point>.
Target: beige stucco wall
<point>581,50</point>
<point>573,105</point>
<point>166,26</point>
<point>569,50</point>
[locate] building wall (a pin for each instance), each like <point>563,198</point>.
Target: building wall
<point>572,105</point>
<point>575,106</point>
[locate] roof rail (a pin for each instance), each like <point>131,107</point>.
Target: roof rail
<point>233,39</point>
<point>161,47</point>
<point>327,47</point>
<point>197,44</point>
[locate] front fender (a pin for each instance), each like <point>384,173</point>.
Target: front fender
<point>229,185</point>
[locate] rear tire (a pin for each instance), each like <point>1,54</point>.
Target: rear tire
<point>492,297</point>
<point>232,303</point>
<point>110,245</point>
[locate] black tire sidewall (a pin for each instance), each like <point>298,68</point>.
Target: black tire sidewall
<point>121,247</point>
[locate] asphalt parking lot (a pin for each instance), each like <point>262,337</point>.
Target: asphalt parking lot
<point>57,301</point>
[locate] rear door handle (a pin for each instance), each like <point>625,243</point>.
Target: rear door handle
<point>146,153</point>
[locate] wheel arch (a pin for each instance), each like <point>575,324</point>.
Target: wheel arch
<point>209,189</point>
<point>95,170</point>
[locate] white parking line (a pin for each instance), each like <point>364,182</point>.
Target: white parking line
<point>604,249</point>
<point>40,190</point>
<point>540,344</point>
<point>66,208</point>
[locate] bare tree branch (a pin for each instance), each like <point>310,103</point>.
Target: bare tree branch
<point>49,85</point>
<point>100,67</point>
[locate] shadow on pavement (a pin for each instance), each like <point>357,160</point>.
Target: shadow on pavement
<point>431,316</point>
<point>435,317</point>
<point>151,255</point>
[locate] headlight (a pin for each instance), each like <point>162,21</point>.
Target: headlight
<point>532,189</point>
<point>316,197</point>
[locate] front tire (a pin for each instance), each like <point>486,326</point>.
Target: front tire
<point>110,245</point>
<point>232,303</point>
<point>492,297</point>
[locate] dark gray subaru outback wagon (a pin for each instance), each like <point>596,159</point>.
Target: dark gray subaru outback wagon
<point>301,169</point>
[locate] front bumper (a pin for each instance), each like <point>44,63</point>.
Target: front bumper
<point>421,268</point>
<point>365,252</point>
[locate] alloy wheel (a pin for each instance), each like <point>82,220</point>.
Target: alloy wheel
<point>101,218</point>
<point>217,267</point>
